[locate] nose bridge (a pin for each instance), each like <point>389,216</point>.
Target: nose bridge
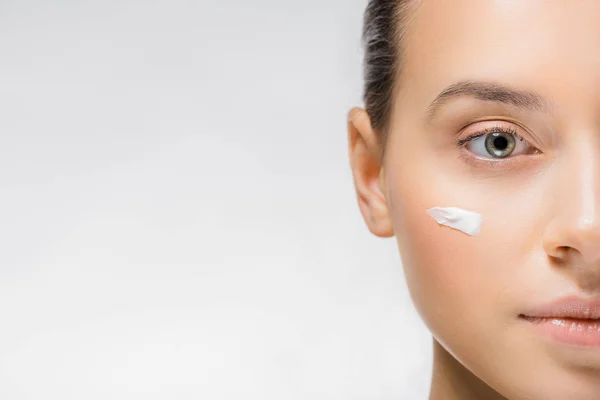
<point>577,213</point>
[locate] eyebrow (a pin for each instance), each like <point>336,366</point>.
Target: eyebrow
<point>488,91</point>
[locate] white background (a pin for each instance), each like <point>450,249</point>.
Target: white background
<point>177,215</point>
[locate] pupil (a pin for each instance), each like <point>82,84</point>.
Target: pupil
<point>501,143</point>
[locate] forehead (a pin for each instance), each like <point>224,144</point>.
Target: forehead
<point>548,45</point>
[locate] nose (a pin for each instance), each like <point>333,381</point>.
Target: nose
<point>575,228</point>
<point>580,238</point>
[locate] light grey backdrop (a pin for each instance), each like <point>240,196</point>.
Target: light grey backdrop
<point>177,216</point>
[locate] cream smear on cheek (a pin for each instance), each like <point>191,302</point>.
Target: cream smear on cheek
<point>468,222</point>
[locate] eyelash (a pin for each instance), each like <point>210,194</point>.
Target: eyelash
<point>495,129</point>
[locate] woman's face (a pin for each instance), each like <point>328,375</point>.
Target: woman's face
<point>527,71</point>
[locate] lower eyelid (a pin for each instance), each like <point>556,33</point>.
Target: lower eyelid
<point>493,164</point>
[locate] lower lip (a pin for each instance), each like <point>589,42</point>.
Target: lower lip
<point>575,332</point>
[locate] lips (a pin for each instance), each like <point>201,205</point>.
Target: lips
<point>573,321</point>
<point>571,308</point>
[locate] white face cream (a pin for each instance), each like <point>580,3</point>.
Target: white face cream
<point>465,221</point>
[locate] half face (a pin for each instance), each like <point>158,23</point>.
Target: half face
<point>498,112</point>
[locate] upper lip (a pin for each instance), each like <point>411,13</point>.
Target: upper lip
<point>568,307</point>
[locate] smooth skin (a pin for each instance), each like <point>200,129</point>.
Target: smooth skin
<point>531,67</point>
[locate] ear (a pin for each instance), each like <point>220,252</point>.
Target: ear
<point>363,151</point>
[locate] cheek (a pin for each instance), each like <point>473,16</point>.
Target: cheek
<point>457,281</point>
<point>469,291</point>
<point>440,264</point>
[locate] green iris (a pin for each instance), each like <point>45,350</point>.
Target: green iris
<point>500,144</point>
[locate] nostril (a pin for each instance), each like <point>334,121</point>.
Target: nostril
<point>559,254</point>
<point>562,250</point>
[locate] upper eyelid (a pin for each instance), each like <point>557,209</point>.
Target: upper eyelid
<point>487,131</point>
<point>494,126</point>
<point>499,125</point>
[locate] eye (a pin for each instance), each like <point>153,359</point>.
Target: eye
<point>498,143</point>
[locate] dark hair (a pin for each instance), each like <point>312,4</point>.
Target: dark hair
<point>384,25</point>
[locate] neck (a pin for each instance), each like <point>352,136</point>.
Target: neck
<point>452,381</point>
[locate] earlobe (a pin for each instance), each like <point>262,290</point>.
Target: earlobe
<point>367,171</point>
